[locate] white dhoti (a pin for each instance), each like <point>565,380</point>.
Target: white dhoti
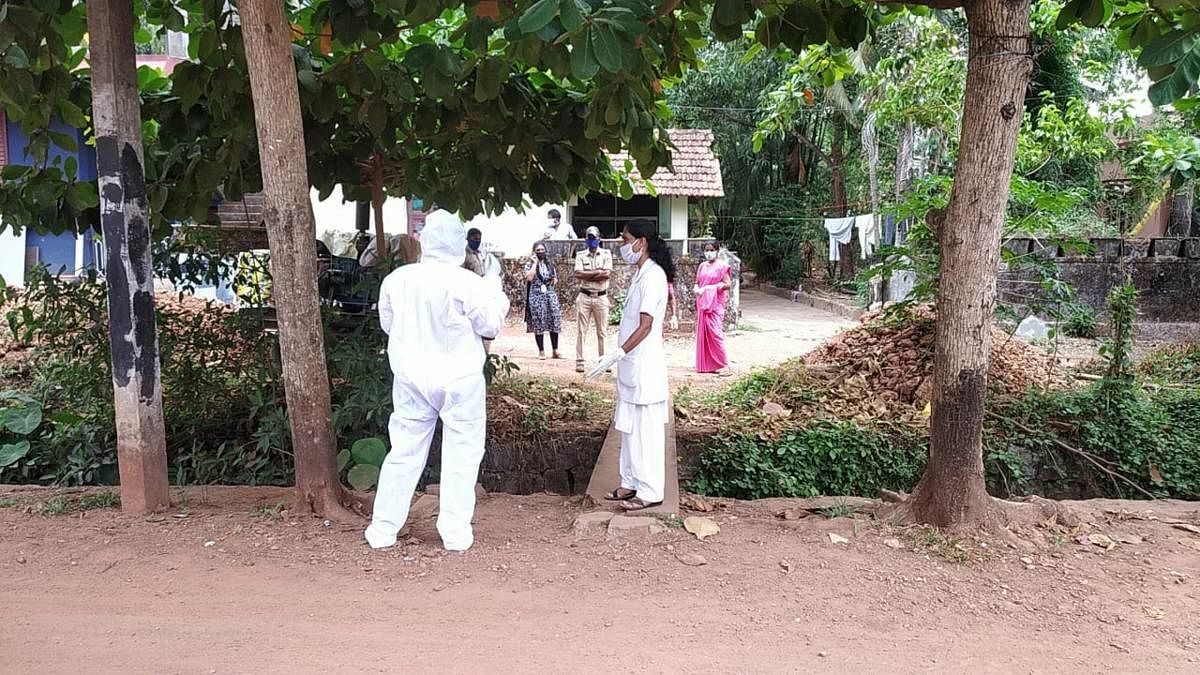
<point>643,448</point>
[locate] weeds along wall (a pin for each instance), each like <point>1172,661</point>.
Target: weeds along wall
<point>1165,272</point>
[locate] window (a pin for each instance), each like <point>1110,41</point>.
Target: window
<point>610,214</point>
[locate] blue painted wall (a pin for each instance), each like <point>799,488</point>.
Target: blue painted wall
<point>56,251</point>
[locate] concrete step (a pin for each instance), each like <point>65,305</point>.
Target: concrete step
<point>607,476</point>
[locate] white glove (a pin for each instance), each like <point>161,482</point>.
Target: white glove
<point>607,361</point>
<point>696,289</point>
<point>674,323</point>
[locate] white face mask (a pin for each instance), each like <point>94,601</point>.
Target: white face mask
<point>710,255</point>
<point>629,255</point>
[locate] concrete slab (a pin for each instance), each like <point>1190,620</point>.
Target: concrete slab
<point>606,475</point>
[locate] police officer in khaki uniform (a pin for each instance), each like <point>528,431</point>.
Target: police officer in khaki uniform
<point>593,268</point>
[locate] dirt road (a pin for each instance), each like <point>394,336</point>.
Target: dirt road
<point>771,330</point>
<point>225,584</point>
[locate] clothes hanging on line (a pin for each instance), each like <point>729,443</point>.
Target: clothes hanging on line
<point>839,230</point>
<point>868,235</point>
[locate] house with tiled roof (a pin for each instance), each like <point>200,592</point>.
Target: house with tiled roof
<point>695,173</point>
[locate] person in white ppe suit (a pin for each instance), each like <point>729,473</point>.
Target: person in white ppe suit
<point>640,358</point>
<point>436,315</point>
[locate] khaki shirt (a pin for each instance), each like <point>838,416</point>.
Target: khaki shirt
<point>586,261</point>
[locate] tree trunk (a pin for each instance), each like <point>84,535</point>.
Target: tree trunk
<point>137,394</point>
<point>381,243</point>
<point>837,169</point>
<point>1181,211</point>
<point>952,492</point>
<point>291,235</point>
<point>904,159</point>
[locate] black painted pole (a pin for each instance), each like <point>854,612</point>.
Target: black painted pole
<point>116,118</point>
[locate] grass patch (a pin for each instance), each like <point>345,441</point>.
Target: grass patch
<point>101,500</point>
<point>947,547</point>
<point>272,511</point>
<point>7,503</point>
<point>840,509</point>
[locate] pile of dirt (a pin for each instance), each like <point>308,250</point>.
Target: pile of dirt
<point>519,406</point>
<point>893,357</point>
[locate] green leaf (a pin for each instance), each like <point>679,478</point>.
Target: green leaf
<point>16,57</point>
<point>1177,84</point>
<point>82,196</point>
<point>730,13</point>
<point>538,16</point>
<point>606,48</point>
<point>572,16</point>
<point>1069,14</point>
<point>23,420</point>
<point>377,117</point>
<point>362,477</point>
<point>11,452</point>
<point>65,141</point>
<point>1093,13</point>
<point>1143,33</point>
<point>369,451</point>
<point>802,27</point>
<point>489,75</point>
<point>1169,48</point>
<point>343,458</point>
<point>584,65</point>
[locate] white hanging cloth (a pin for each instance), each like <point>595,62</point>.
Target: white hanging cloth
<point>839,230</point>
<point>868,234</point>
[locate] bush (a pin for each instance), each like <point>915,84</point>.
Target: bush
<point>824,457</point>
<point>1149,437</point>
<point>1080,322</point>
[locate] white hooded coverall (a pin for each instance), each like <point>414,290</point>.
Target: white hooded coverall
<point>642,390</point>
<point>435,314</point>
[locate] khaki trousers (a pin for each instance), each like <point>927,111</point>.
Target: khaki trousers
<point>590,309</point>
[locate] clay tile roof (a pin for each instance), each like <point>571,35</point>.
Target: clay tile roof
<point>695,171</point>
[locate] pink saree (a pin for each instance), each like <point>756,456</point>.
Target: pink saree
<point>710,317</point>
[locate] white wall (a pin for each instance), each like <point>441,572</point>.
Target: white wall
<point>12,257</point>
<point>512,232</point>
<point>679,218</point>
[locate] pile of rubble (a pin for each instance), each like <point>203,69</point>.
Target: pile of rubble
<point>893,358</point>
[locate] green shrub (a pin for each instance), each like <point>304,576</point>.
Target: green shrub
<point>1080,322</point>
<point>823,457</point>
<point>1148,437</point>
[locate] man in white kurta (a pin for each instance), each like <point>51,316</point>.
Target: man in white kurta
<point>642,389</point>
<point>436,315</point>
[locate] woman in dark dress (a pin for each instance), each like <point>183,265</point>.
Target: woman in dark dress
<point>542,312</point>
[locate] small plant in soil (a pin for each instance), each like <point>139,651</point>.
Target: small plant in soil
<point>7,503</point>
<point>840,509</point>
<point>669,519</point>
<point>272,511</point>
<point>101,500</point>
<point>56,506</point>
<point>950,548</point>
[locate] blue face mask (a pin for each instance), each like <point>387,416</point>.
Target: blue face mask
<point>593,244</point>
<point>473,245</point>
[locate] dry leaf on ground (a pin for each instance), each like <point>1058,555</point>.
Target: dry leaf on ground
<point>701,527</point>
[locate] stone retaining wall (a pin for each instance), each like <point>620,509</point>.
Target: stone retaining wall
<point>1165,271</point>
<point>558,462</point>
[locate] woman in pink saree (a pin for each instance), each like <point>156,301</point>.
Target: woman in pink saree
<point>713,282</point>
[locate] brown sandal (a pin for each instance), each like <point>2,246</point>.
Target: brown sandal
<point>617,496</point>
<point>635,504</point>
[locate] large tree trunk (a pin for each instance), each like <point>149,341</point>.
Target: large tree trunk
<point>381,242</point>
<point>137,394</point>
<point>1181,211</point>
<point>291,232</point>
<point>952,492</point>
